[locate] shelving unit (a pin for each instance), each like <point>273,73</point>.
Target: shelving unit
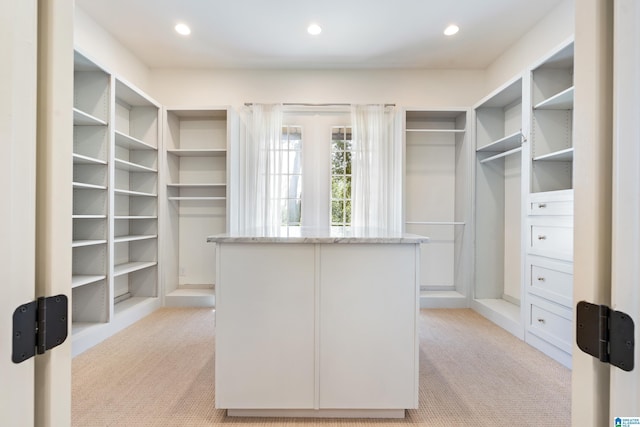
<point>552,123</point>
<point>91,128</point>
<point>549,249</point>
<point>500,152</point>
<point>135,172</point>
<point>197,165</point>
<point>438,202</point>
<point>115,207</point>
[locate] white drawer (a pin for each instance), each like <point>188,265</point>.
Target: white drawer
<point>551,323</point>
<point>551,238</point>
<point>551,203</point>
<point>564,207</point>
<point>552,280</point>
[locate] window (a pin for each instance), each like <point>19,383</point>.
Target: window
<point>288,173</point>
<point>341,176</point>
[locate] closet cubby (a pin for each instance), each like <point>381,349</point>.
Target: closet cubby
<point>437,202</point>
<point>115,204</point>
<point>499,206</point>
<point>552,123</point>
<point>196,175</point>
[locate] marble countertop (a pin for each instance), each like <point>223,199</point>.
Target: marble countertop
<point>317,235</point>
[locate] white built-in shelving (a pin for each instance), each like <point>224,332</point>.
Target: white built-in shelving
<point>500,135</point>
<point>437,202</point>
<point>552,122</point>
<point>91,129</point>
<point>197,177</point>
<point>115,203</point>
<point>549,249</point>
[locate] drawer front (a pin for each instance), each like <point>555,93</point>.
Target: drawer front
<point>551,283</point>
<point>551,323</point>
<point>564,207</point>
<point>552,241</point>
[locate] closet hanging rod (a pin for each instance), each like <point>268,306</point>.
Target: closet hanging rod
<point>307,104</point>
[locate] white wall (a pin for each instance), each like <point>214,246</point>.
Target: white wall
<point>100,46</point>
<point>546,35</point>
<point>432,88</point>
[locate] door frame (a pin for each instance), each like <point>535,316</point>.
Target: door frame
<point>625,274</point>
<point>54,198</point>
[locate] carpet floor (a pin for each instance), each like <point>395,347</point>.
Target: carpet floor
<point>160,372</point>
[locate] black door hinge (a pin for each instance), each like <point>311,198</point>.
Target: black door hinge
<point>605,334</point>
<point>39,326</point>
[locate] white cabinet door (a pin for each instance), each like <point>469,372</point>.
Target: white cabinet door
<point>368,338</point>
<point>17,215</point>
<point>265,329</point>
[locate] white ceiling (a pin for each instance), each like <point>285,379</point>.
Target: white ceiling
<point>356,33</point>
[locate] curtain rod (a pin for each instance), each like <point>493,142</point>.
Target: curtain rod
<point>306,104</point>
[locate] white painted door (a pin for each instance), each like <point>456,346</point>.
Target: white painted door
<point>18,195</point>
<point>625,292</point>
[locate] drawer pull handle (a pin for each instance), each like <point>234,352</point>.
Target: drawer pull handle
<point>542,237</point>
<point>541,279</point>
<point>542,205</point>
<point>541,320</point>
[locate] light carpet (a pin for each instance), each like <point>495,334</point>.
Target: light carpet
<point>160,372</point>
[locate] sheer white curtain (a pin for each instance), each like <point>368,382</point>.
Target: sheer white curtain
<point>376,168</point>
<point>261,161</point>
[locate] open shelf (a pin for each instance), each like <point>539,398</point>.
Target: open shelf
<point>501,155</point>
<point>79,159</point>
<point>507,143</point>
<point>130,267</point>
<point>560,101</point>
<point>85,279</point>
<point>429,130</point>
<point>85,186</point>
<point>80,243</point>
<point>565,155</point>
<point>132,167</point>
<point>131,143</point>
<point>80,118</point>
<point>132,238</point>
<point>133,193</point>
<point>198,152</point>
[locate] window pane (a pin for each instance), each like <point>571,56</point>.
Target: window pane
<point>295,187</point>
<point>295,162</point>
<point>286,173</point>
<point>347,214</point>
<point>338,185</point>
<point>337,212</point>
<point>341,176</point>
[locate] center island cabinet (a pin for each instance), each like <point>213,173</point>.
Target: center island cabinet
<point>317,323</point>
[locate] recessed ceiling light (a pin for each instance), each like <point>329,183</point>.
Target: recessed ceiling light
<point>183,29</point>
<point>314,29</point>
<point>451,30</point>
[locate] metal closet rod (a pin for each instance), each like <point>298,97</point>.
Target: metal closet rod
<point>306,104</point>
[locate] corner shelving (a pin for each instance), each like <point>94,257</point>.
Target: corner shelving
<point>196,158</point>
<point>500,150</point>
<point>437,202</point>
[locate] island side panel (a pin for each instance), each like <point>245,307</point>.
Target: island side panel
<point>368,329</point>
<point>265,326</point>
